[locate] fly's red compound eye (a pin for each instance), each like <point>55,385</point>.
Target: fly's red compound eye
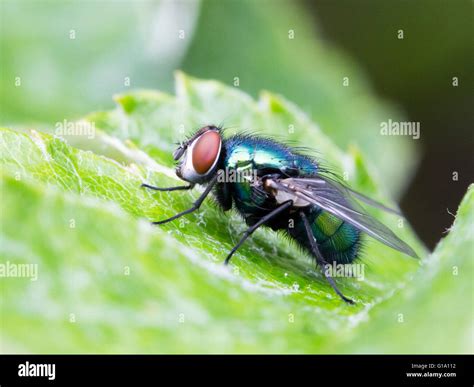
<point>206,151</point>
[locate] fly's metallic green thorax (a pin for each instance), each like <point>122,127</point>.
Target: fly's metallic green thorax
<point>273,185</point>
<point>253,155</point>
<point>265,155</point>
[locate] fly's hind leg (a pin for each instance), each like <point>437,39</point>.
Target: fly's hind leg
<point>320,259</point>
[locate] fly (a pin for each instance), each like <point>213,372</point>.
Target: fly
<point>287,191</point>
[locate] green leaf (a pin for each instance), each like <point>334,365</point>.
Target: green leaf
<point>110,282</point>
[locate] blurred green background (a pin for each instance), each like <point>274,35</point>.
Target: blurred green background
<point>63,59</point>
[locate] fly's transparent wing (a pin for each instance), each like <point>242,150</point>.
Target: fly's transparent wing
<point>338,200</point>
<point>346,191</point>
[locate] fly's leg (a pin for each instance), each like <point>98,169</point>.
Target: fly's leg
<point>182,187</point>
<point>195,205</point>
<point>262,221</point>
<point>320,259</point>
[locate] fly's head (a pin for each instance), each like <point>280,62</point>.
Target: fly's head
<point>199,156</point>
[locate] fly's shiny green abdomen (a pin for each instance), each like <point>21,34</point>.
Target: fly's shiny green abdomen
<point>338,241</point>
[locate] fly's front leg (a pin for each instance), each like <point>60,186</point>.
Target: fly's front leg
<point>195,205</point>
<point>179,188</point>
